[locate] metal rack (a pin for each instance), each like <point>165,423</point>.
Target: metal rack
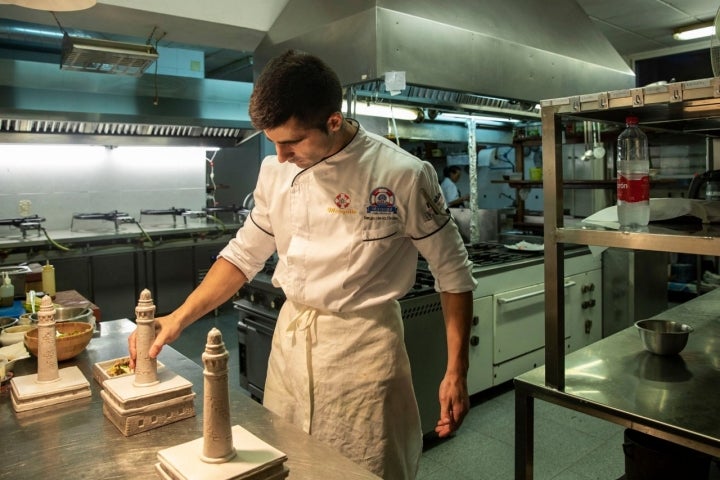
<point>688,108</point>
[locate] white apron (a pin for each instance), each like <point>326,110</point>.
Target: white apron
<point>345,379</point>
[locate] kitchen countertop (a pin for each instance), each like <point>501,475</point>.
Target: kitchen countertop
<point>675,397</point>
<point>126,233</point>
<point>75,440</point>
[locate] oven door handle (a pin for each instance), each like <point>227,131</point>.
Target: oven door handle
<point>528,295</point>
<point>256,325</point>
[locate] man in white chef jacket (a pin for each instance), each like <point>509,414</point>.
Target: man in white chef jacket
<point>449,187</point>
<point>347,212</point>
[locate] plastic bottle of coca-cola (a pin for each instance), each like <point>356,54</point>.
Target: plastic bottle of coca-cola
<point>633,176</point>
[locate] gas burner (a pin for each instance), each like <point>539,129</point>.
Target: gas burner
<point>489,253</point>
<point>30,222</point>
<point>174,212</point>
<point>236,213</point>
<point>223,208</point>
<point>167,211</point>
<point>424,282</point>
<point>114,216</point>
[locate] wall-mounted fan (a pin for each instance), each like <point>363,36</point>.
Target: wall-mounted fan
<point>715,47</point>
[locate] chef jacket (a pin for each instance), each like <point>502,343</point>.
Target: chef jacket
<point>348,229</point>
<point>449,189</point>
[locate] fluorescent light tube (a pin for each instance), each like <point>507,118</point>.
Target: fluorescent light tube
<point>693,32</point>
<point>383,110</point>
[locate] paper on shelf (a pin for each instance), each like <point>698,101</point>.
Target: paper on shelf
<point>660,209</point>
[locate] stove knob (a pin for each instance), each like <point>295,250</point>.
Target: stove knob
<point>276,303</point>
<point>474,340</point>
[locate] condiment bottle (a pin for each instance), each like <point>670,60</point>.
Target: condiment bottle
<point>48,279</point>
<point>7,292</point>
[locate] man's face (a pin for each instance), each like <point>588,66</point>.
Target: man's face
<point>455,176</point>
<point>300,145</point>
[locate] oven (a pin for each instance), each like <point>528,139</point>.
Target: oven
<point>258,305</point>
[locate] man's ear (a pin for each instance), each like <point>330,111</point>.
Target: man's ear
<point>334,122</point>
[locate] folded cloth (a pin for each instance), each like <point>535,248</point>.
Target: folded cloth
<point>662,209</point>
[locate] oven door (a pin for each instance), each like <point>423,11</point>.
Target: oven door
<point>519,321</point>
<point>255,352</point>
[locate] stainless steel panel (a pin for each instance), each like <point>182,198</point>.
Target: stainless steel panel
<point>485,46</point>
<point>634,285</point>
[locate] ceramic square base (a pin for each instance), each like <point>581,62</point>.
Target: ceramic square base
<point>28,394</point>
<point>138,409</point>
<point>254,459</point>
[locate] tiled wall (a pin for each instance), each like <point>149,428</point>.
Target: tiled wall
<point>60,180</point>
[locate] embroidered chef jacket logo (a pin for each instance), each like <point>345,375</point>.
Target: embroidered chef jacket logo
<point>382,200</point>
<point>342,200</point>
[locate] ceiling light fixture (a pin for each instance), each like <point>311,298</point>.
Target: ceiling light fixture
<point>54,5</point>
<point>105,56</point>
<point>480,119</point>
<point>692,32</point>
<point>384,111</point>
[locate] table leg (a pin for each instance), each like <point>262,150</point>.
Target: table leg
<point>524,420</point>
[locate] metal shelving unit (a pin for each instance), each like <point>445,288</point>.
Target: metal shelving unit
<point>687,108</point>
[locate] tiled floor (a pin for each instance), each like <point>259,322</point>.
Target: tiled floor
<point>568,446</point>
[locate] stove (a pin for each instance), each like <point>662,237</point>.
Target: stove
<point>228,213</point>
<point>26,223</point>
<point>80,220</point>
<point>487,254</point>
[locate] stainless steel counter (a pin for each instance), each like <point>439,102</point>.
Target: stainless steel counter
<point>676,398</point>
<point>75,440</point>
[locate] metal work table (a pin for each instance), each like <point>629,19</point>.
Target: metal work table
<point>75,440</point>
<point>676,398</point>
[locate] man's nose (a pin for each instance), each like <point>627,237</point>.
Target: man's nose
<point>284,152</point>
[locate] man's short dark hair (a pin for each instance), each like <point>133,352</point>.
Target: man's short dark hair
<point>447,171</point>
<point>295,84</point>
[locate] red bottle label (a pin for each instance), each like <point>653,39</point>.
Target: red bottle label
<point>631,191</point>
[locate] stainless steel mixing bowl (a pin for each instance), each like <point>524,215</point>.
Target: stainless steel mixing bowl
<point>663,337</point>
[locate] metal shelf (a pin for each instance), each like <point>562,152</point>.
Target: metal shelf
<point>681,108</point>
<point>694,239</point>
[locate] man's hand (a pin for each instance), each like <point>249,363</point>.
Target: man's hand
<point>166,331</point>
<point>454,404</point>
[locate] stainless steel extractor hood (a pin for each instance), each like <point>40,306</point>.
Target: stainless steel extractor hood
<point>40,103</point>
<point>518,52</point>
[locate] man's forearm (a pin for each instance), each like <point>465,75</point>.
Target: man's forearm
<point>457,311</point>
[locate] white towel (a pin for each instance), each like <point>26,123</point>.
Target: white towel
<point>485,156</point>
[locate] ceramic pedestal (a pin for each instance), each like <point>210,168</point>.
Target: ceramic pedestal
<point>134,409</point>
<point>50,385</point>
<point>27,393</point>
<point>255,460</point>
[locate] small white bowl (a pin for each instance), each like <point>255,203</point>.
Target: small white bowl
<point>14,334</point>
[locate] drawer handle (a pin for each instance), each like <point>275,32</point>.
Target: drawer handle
<point>528,295</point>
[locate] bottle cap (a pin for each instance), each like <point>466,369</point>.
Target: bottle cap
<point>632,120</point>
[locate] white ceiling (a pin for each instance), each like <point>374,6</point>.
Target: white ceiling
<point>638,28</point>
<point>228,31</point>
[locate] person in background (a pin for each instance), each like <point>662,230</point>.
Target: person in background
<point>347,212</point>
<point>449,187</point>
